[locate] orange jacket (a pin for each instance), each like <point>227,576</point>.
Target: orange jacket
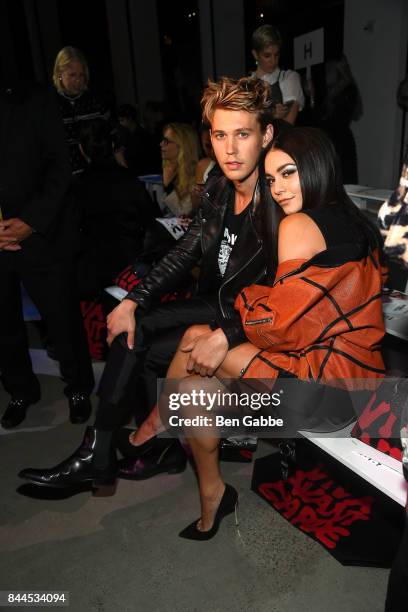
<point>322,318</point>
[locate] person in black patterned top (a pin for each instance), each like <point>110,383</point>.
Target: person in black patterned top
<point>77,104</point>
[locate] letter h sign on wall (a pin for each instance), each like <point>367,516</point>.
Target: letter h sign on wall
<point>309,50</point>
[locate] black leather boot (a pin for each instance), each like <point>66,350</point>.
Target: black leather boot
<point>94,462</point>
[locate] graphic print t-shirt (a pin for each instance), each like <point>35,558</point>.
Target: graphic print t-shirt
<point>232,227</point>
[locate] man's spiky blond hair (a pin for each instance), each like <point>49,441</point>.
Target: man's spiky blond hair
<point>245,94</point>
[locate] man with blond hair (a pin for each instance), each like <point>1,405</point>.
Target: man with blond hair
<point>226,237</point>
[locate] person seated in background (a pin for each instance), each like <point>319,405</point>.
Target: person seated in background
<point>286,89</point>
<point>393,218</point>
<point>78,106</point>
<point>180,151</point>
<point>394,225</point>
<point>393,214</point>
<point>319,318</point>
<point>135,148</point>
<point>114,211</point>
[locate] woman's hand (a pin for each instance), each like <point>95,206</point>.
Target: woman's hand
<point>280,111</point>
<point>287,111</point>
<point>122,319</point>
<point>207,352</point>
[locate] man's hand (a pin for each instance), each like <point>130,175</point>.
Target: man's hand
<point>120,158</point>
<point>12,232</point>
<point>122,319</point>
<point>207,352</point>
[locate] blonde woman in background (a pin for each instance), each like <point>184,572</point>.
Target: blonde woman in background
<point>77,104</point>
<point>180,151</point>
<point>204,166</point>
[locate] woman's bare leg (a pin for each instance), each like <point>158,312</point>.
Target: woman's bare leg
<point>205,448</point>
<point>210,482</point>
<point>230,368</point>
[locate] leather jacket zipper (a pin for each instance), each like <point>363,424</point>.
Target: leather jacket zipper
<point>259,321</point>
<point>202,221</point>
<point>269,319</point>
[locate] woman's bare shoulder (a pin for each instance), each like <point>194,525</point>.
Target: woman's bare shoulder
<point>299,238</point>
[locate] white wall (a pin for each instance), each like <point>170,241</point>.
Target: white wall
<point>375,43</point>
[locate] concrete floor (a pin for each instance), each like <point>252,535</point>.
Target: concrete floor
<point>122,553</point>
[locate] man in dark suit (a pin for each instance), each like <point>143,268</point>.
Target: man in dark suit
<point>37,240</point>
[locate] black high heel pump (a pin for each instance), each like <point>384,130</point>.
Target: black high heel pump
<point>228,504</point>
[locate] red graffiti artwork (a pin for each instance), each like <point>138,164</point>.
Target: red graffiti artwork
<point>95,328</point>
<point>314,503</point>
<point>378,426</point>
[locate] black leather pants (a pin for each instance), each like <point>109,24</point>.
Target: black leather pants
<point>158,334</point>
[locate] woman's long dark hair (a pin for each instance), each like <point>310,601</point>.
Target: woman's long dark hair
<point>321,184</point>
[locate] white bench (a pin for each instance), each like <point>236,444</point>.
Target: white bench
<point>379,469</point>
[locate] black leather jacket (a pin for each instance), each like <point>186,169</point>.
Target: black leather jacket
<point>246,265</point>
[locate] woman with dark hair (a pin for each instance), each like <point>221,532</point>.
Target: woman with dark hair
<point>341,105</point>
<point>318,320</point>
